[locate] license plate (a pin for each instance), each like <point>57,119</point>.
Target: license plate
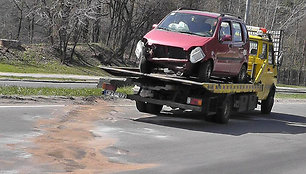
<point>113,94</point>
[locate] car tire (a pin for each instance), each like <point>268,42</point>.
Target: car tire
<point>144,66</point>
<point>141,106</point>
<point>267,105</point>
<point>224,111</point>
<point>153,108</point>
<point>242,76</point>
<point>205,71</point>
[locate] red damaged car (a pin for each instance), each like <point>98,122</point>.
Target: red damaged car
<point>196,44</point>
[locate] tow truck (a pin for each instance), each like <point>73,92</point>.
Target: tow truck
<point>215,100</point>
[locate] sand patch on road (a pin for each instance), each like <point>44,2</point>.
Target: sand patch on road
<point>68,145</point>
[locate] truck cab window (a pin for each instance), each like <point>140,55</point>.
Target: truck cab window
<point>263,54</point>
<point>253,48</point>
<point>270,55</point>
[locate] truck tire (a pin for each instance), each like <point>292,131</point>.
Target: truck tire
<point>141,106</point>
<point>267,105</point>
<point>153,108</point>
<point>205,71</point>
<point>224,112</point>
<point>242,76</point>
<point>144,66</point>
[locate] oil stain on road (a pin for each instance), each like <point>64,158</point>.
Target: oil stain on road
<point>67,143</point>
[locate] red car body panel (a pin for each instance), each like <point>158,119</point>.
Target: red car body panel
<point>175,39</point>
<point>228,56</point>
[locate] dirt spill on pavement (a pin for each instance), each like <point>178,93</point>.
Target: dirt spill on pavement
<point>69,146</point>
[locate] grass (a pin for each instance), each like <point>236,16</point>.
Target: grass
<point>50,68</point>
<point>43,78</point>
<point>80,92</point>
<point>290,86</point>
<point>125,90</point>
<point>44,59</point>
<point>24,91</point>
<point>290,96</point>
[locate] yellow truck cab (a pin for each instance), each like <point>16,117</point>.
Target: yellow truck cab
<point>262,67</point>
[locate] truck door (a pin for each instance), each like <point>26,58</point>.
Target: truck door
<point>271,69</point>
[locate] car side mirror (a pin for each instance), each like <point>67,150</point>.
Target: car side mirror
<point>154,26</point>
<point>226,38</point>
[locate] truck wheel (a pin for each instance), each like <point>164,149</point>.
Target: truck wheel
<point>141,106</point>
<point>205,71</point>
<point>144,66</point>
<point>266,105</point>
<point>224,112</point>
<point>153,108</point>
<point>242,76</point>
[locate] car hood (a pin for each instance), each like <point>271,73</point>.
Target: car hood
<point>175,39</point>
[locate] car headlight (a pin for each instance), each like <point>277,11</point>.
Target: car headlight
<point>139,49</point>
<point>197,55</point>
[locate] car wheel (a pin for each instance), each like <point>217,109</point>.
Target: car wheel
<point>144,66</point>
<point>224,111</point>
<point>242,76</point>
<point>267,105</point>
<point>141,106</point>
<point>153,108</point>
<point>205,71</point>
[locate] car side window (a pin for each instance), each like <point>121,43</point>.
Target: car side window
<point>270,55</point>
<point>237,31</point>
<point>245,34</point>
<point>225,29</point>
<point>263,54</point>
<point>253,48</point>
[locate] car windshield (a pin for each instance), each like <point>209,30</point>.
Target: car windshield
<point>190,24</point>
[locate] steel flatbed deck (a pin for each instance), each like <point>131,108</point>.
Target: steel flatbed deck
<point>214,87</point>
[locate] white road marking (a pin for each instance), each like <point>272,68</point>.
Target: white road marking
<point>32,106</point>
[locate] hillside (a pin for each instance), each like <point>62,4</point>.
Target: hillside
<point>42,58</point>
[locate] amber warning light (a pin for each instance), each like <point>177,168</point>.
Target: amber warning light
<point>259,30</point>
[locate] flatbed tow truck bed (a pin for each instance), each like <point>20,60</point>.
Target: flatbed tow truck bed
<point>215,100</point>
<point>212,87</point>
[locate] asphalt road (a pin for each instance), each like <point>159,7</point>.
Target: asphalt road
<point>184,143</point>
<point>173,142</point>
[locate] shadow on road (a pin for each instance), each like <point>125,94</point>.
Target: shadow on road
<point>239,124</point>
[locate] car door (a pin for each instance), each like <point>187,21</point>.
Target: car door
<point>239,50</point>
<point>223,49</point>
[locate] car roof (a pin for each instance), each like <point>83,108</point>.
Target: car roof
<point>205,13</point>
